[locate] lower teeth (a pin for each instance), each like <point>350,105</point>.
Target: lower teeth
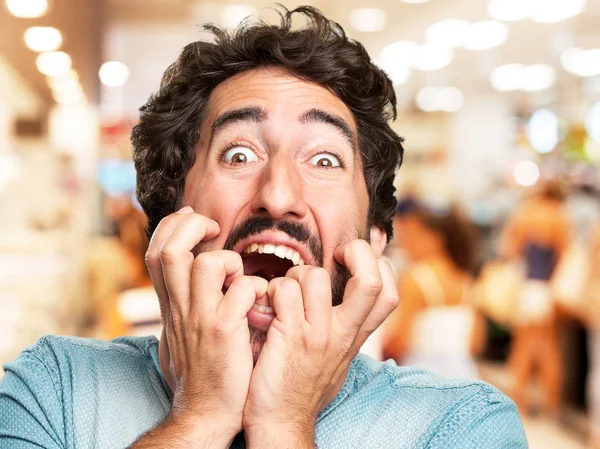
<point>262,309</point>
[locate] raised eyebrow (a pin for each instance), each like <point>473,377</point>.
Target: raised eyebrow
<point>315,115</point>
<point>248,114</point>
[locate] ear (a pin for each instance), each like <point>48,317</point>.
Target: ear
<point>378,240</point>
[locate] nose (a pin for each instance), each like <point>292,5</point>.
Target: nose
<point>280,190</point>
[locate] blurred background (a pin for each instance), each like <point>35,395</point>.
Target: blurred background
<point>499,102</point>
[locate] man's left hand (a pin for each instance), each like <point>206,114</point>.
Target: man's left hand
<point>310,344</point>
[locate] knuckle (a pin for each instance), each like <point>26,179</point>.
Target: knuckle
<point>166,221</point>
<point>372,285</point>
<point>287,284</point>
<point>358,245</point>
<point>151,259</point>
<point>205,261</point>
<point>219,330</point>
<point>167,254</point>
<point>317,275</point>
<point>237,257</point>
<point>242,282</point>
<point>393,299</point>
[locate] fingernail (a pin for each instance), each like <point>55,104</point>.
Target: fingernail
<point>185,210</point>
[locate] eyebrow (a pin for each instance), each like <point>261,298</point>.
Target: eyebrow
<point>319,116</point>
<point>250,114</point>
<point>258,115</point>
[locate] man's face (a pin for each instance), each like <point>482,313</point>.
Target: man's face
<point>278,167</point>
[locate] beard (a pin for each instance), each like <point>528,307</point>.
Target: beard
<point>302,234</point>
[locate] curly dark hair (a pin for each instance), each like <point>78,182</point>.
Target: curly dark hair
<point>165,139</point>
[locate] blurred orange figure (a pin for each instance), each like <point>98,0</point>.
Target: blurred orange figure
<point>435,326</point>
<point>537,234</point>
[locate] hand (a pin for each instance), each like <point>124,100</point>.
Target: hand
<point>207,360</point>
<point>310,344</point>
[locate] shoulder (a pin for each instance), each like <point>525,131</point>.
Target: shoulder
<point>53,348</point>
<point>51,379</point>
<point>438,411</point>
<point>62,357</point>
<point>398,379</point>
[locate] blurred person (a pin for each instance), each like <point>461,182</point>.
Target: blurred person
<point>115,264</point>
<point>436,326</point>
<point>537,233</point>
<point>136,306</point>
<point>591,318</point>
<point>265,165</point>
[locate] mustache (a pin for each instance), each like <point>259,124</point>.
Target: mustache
<point>296,230</point>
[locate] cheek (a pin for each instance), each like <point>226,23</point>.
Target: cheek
<point>337,220</point>
<point>219,199</point>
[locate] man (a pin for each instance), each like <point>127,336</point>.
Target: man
<point>265,165</point>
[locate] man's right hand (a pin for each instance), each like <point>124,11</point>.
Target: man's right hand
<point>206,330</point>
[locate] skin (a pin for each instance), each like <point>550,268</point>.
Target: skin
<point>288,171</point>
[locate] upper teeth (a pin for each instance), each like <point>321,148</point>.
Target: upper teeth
<point>282,251</point>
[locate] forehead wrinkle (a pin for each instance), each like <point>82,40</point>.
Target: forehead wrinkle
<point>273,88</point>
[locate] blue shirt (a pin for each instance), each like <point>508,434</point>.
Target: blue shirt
<point>66,392</point>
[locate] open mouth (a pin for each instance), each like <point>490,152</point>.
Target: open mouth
<point>269,261</point>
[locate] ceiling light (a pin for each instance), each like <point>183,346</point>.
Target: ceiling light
<point>581,62</point>
<point>592,122</point>
<point>65,81</point>
<point>448,33</point>
<point>520,77</point>
<point>507,77</point>
<point>398,54</point>
<point>432,57</point>
<point>65,84</point>
<point>27,9</point>
<point>69,97</point>
<point>368,20</point>
<point>232,15</point>
<point>508,10</point>
<point>542,131</point>
<point>485,35</point>
<point>571,60</point>
<point>397,73</point>
<point>547,11</point>
<point>526,173</point>
<point>43,39</point>
<point>451,99</point>
<point>428,99</point>
<point>537,77</point>
<point>113,73</point>
<point>552,11</point>
<point>53,63</point>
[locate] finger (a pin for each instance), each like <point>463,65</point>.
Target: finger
<point>364,286</point>
<point>176,257</point>
<point>315,284</point>
<point>385,304</point>
<point>286,298</point>
<point>241,295</point>
<point>209,271</point>
<point>162,231</point>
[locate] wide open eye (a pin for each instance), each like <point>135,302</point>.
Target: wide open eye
<point>326,160</point>
<point>239,155</point>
